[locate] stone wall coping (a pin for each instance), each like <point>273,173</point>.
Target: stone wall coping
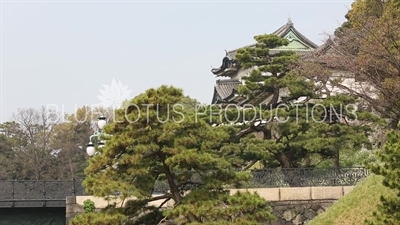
<point>270,194</point>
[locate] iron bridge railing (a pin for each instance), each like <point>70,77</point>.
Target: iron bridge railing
<point>296,177</point>
<point>36,193</point>
<point>307,177</point>
<point>47,191</point>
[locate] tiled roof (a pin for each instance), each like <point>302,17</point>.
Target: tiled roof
<point>328,44</point>
<point>225,88</point>
<point>281,32</point>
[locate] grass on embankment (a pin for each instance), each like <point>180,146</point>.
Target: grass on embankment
<point>356,206</point>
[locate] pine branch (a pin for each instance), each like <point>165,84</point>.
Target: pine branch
<point>245,131</point>
<point>155,198</point>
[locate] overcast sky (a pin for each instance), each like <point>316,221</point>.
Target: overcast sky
<point>60,54</point>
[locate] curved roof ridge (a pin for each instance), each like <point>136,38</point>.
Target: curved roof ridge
<point>281,32</point>
<point>328,44</point>
<point>283,28</point>
<point>302,37</point>
<point>228,81</point>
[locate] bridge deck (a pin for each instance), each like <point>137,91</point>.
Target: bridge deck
<point>36,193</point>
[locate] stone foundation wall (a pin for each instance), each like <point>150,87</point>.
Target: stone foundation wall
<point>72,209</point>
<point>74,205</point>
<point>291,205</point>
<point>299,212</point>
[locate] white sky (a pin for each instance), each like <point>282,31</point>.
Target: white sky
<point>60,53</point>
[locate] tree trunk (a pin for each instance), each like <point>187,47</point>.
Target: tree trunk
<point>308,161</point>
<point>171,183</point>
<point>176,196</point>
<point>336,162</point>
<point>71,168</point>
<point>283,160</point>
<point>291,176</point>
<point>274,101</point>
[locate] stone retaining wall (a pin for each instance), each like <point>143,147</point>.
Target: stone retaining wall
<point>292,206</point>
<point>298,212</point>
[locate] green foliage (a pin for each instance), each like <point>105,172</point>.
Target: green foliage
<point>323,130</point>
<point>154,142</point>
<point>142,213</point>
<point>347,159</point>
<point>388,166</point>
<point>88,206</point>
<point>270,72</point>
<point>223,208</point>
<point>294,131</point>
<point>11,140</point>
<point>188,104</point>
<point>98,219</point>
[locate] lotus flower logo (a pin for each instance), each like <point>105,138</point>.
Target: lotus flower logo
<point>114,95</point>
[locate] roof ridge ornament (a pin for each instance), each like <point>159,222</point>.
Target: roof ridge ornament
<point>289,21</point>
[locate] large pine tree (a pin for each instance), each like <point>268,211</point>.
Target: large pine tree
<point>154,141</point>
<point>298,122</point>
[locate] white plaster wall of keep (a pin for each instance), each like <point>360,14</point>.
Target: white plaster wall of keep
<point>348,80</point>
<point>241,73</point>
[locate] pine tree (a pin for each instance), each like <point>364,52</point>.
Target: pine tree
<point>293,131</point>
<point>271,72</point>
<point>154,141</point>
<point>388,166</point>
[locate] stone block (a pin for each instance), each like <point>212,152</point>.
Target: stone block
<point>234,191</point>
<point>315,207</point>
<point>326,205</point>
<point>278,221</point>
<point>71,215</point>
<point>70,200</point>
<point>270,194</point>
<point>320,193</point>
<point>321,210</point>
<point>293,194</point>
<point>288,215</point>
<point>299,219</point>
<point>74,208</point>
<point>100,202</point>
<point>299,209</point>
<point>347,189</point>
<point>278,208</point>
<point>310,214</point>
